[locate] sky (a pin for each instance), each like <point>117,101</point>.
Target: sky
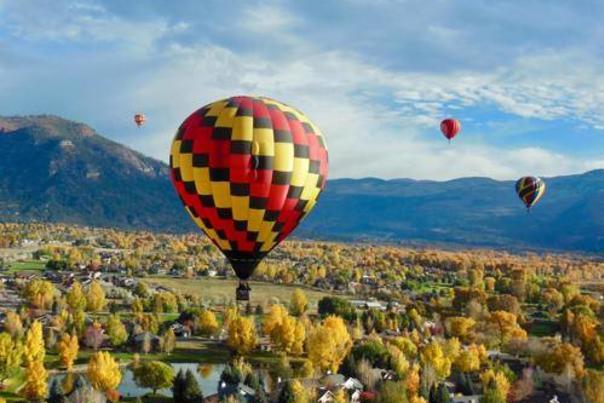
<point>525,78</point>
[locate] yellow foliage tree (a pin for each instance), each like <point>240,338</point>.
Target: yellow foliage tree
<point>13,324</point>
<point>497,380</point>
<point>36,381</point>
<point>33,350</point>
<point>433,356</point>
<point>328,344</point>
<point>241,335</point>
<point>208,325</point>
<point>460,326</point>
<point>298,303</point>
<point>75,297</point>
<point>39,293</point>
<point>68,350</point>
<point>468,360</point>
<point>593,386</point>
<point>103,372</point>
<point>95,297</point>
<point>11,355</point>
<point>505,327</point>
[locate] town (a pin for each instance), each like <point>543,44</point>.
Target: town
<point>125,316</point>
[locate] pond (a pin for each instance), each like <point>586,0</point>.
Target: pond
<point>207,375</point>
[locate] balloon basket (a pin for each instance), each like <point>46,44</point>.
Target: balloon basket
<point>243,292</point>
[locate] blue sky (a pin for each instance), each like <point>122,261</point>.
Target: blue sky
<point>526,78</point>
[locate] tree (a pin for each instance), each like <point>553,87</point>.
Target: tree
<point>56,395</point>
<point>293,392</point>
<point>94,335</point>
<point>13,324</point>
<point>433,356</point>
<point>33,350</point>
<point>116,330</point>
<point>496,386</point>
<point>36,381</point>
<point>299,303</point>
<point>336,306</point>
<point>440,394</point>
<point>168,342</point>
<point>11,351</point>
<point>104,372</point>
<point>154,375</point>
<point>505,327</point>
<point>75,297</point>
<point>593,386</point>
<point>561,358</point>
<point>283,330</point>
<point>96,297</point>
<point>329,343</point>
<point>468,360</point>
<point>241,335</point>
<point>141,290</point>
<point>192,392</point>
<point>459,326</point>
<point>392,392</point>
<point>39,293</point>
<point>68,350</point>
<point>208,325</point>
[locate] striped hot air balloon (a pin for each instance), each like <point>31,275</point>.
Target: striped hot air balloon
<point>248,170</point>
<point>450,128</point>
<point>530,189</point>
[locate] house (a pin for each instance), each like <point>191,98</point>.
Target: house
<point>466,399</point>
<point>352,384</point>
<point>180,330</point>
<point>240,390</point>
<point>139,340</point>
<point>326,397</point>
<point>333,381</point>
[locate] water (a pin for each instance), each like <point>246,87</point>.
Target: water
<point>208,383</point>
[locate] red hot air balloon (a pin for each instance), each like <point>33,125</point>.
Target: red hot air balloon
<point>139,119</point>
<point>450,128</point>
<point>248,170</point>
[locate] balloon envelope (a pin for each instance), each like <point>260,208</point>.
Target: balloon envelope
<point>530,189</point>
<point>139,119</point>
<point>450,128</point>
<point>248,170</point>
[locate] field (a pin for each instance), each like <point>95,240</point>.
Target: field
<point>220,289</point>
<point>27,265</point>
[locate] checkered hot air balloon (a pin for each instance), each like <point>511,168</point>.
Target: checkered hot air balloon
<point>248,170</point>
<point>530,189</point>
<point>450,128</point>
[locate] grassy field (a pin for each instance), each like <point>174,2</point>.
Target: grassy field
<point>219,289</point>
<point>28,265</point>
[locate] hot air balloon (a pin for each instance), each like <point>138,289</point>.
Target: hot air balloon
<point>450,128</point>
<point>139,119</point>
<point>248,170</point>
<point>530,189</point>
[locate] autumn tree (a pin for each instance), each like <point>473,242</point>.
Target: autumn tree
<point>68,350</point>
<point>593,386</point>
<point>505,327</point>
<point>468,359</point>
<point>13,324</point>
<point>299,303</point>
<point>461,327</point>
<point>104,372</point>
<point>168,341</point>
<point>36,381</point>
<point>116,330</point>
<point>329,343</point>
<point>495,386</point>
<point>154,375</point>
<point>95,297</point>
<point>208,325</point>
<point>11,351</point>
<point>432,356</point>
<point>39,293</point>
<point>241,335</point>
<point>34,350</point>
<point>75,297</point>
<point>559,358</point>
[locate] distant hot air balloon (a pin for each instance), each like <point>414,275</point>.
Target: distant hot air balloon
<point>530,189</point>
<point>139,119</point>
<point>248,170</point>
<point>450,128</point>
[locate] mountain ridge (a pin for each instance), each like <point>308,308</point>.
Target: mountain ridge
<point>57,170</point>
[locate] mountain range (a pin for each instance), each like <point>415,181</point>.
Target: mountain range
<point>56,170</point>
